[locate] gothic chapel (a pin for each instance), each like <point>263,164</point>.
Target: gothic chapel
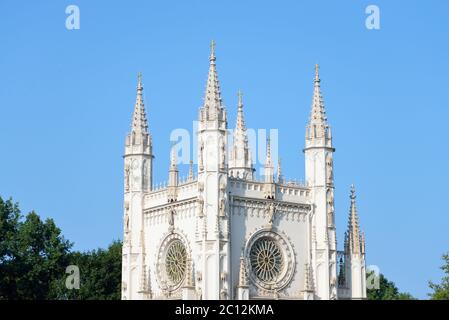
<point>224,233</point>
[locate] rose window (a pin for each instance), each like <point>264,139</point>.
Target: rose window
<point>176,261</point>
<point>266,260</point>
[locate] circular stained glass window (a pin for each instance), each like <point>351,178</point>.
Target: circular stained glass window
<point>176,261</point>
<point>266,260</point>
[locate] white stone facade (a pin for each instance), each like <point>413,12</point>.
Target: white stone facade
<point>224,234</point>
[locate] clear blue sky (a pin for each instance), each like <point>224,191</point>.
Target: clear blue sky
<point>66,99</point>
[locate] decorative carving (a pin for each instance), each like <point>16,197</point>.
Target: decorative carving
<point>171,218</point>
<point>271,211</point>
<point>201,164</point>
<point>330,208</point>
<point>223,155</point>
<point>127,173</point>
<point>329,168</point>
<point>200,206</point>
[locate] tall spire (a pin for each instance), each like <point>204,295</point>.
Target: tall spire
<point>318,128</point>
<point>280,175</point>
<point>212,108</point>
<point>269,169</point>
<point>240,162</point>
<point>240,119</point>
<point>318,114</point>
<point>139,122</point>
<point>353,234</point>
<point>173,172</point>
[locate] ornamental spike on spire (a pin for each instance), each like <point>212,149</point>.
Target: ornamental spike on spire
<point>240,118</point>
<point>318,114</point>
<point>139,123</point>
<point>269,169</point>
<point>173,165</point>
<point>353,233</point>
<point>280,175</point>
<point>318,131</point>
<point>212,108</point>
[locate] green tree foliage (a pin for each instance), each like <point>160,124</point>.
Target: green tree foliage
<point>387,291</point>
<point>34,256</point>
<point>32,253</point>
<point>100,275</point>
<point>441,291</point>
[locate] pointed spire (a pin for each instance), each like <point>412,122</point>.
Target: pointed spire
<point>173,164</point>
<point>318,128</point>
<point>268,161</point>
<point>173,172</point>
<point>240,162</point>
<point>353,233</point>
<point>269,169</point>
<point>318,114</point>
<point>139,122</point>
<point>240,119</point>
<point>212,108</point>
<point>280,175</point>
<point>212,51</point>
<point>190,177</point>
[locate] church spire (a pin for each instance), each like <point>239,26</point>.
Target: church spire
<point>318,128</point>
<point>173,172</point>
<point>353,235</point>
<point>240,126</point>
<point>280,175</point>
<point>240,162</point>
<point>212,108</point>
<point>318,114</point>
<point>269,163</point>
<point>139,123</point>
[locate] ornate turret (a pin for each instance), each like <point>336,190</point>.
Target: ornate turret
<point>353,235</point>
<point>269,168</point>
<point>355,253</point>
<point>240,162</point>
<point>212,179</point>
<point>173,176</point>
<point>280,177</point>
<point>138,160</point>
<point>212,108</point>
<point>269,187</point>
<point>319,177</point>
<point>318,131</point>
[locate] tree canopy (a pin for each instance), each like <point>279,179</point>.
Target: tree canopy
<point>34,256</point>
<point>441,291</point>
<point>387,291</point>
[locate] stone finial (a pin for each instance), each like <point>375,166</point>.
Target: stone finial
<point>243,273</point>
